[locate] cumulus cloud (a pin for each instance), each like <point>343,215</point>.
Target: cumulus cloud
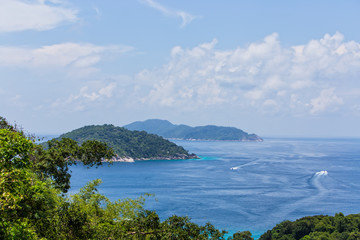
<point>39,15</point>
<point>327,100</point>
<point>85,98</point>
<point>65,55</point>
<point>185,17</point>
<point>263,75</point>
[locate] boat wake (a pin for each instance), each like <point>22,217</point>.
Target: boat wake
<point>321,173</point>
<point>317,182</point>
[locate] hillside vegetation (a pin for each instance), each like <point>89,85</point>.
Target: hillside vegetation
<point>126,143</point>
<point>338,227</point>
<point>166,129</point>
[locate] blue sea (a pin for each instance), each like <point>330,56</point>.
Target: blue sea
<point>241,185</point>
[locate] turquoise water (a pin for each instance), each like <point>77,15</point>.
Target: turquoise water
<point>242,185</point>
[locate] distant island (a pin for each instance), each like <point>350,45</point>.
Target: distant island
<point>130,145</point>
<point>168,130</point>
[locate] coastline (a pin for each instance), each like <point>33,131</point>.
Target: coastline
<point>215,140</point>
<point>131,160</point>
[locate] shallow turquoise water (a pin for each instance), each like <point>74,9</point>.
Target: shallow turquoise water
<point>242,185</point>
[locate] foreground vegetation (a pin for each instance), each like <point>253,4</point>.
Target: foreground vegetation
<point>339,227</point>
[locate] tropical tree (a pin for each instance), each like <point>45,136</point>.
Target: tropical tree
<point>26,202</point>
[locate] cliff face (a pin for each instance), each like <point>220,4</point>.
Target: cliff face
<point>166,129</point>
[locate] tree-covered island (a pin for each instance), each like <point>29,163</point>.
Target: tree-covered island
<point>130,145</point>
<point>166,129</point>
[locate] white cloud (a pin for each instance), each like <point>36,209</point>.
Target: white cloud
<point>98,12</point>
<point>263,75</point>
<point>254,94</point>
<point>162,94</point>
<point>73,56</point>
<point>185,17</point>
<point>273,82</point>
<point>86,98</point>
<point>18,101</point>
<point>327,100</point>
<point>107,90</point>
<point>19,15</point>
<point>299,84</point>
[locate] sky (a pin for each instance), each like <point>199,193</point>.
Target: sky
<point>275,68</point>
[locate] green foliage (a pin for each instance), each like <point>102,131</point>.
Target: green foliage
<point>177,227</point>
<point>338,227</point>
<point>126,143</point>
<point>246,235</point>
<point>90,215</point>
<point>5,125</point>
<point>14,149</point>
<point>54,162</point>
<point>26,202</point>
